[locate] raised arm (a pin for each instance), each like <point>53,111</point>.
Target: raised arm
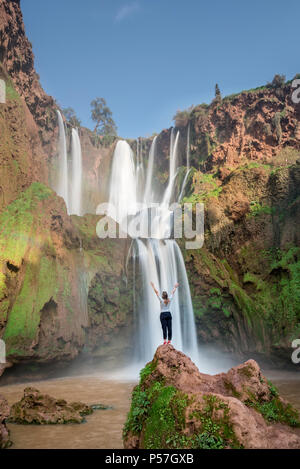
<point>152,285</point>
<point>175,288</point>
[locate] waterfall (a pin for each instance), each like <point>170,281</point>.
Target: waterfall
<point>62,188</point>
<point>122,190</point>
<point>155,259</point>
<point>69,186</point>
<point>140,176</point>
<point>161,262</point>
<point>76,180</point>
<point>148,187</point>
<point>188,169</point>
<point>172,169</point>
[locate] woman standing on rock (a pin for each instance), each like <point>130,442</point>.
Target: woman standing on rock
<point>165,314</point>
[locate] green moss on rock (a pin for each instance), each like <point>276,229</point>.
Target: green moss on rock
<point>275,410</point>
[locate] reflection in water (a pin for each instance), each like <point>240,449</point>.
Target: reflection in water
<point>103,429</point>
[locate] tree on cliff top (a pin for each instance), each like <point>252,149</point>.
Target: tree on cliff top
<point>277,82</point>
<point>182,118</point>
<point>102,116</point>
<point>71,117</point>
<point>218,97</point>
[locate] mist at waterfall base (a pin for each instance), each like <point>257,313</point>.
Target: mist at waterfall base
<point>156,259</point>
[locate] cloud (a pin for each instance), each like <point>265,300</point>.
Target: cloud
<point>127,10</point>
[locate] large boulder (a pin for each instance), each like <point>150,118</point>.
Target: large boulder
<point>41,409</point>
<point>4,432</point>
<point>176,406</point>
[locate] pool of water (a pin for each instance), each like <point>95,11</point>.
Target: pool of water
<point>103,429</point>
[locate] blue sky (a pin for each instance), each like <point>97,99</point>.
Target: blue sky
<point>149,58</point>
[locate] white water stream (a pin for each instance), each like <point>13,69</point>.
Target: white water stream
<point>155,258</point>
<point>69,185</point>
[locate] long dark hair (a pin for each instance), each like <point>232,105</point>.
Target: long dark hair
<point>164,296</point>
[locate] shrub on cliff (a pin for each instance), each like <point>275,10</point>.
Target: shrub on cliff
<point>277,82</point>
<point>181,118</point>
<point>71,117</point>
<point>102,116</point>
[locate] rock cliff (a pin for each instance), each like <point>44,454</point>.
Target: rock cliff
<point>63,291</point>
<point>48,264</point>
<point>177,407</point>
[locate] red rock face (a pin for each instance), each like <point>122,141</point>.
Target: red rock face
<point>41,127</point>
<point>22,157</point>
<point>253,124</point>
<point>17,58</point>
<point>233,394</point>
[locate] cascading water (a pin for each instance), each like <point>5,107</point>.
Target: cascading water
<point>140,176</point>
<point>188,169</point>
<point>148,197</point>
<point>122,191</point>
<point>62,189</point>
<point>172,173</point>
<point>76,180</point>
<point>154,259</point>
<point>69,185</point>
<point>160,261</point>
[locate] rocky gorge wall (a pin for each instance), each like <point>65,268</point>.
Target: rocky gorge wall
<point>244,156</point>
<point>63,292</point>
<point>48,260</point>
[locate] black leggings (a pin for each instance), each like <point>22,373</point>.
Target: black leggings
<point>166,324</point>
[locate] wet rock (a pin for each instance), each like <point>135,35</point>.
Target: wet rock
<point>177,406</point>
<point>42,409</point>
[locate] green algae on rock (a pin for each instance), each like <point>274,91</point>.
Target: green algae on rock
<point>176,407</point>
<point>45,279</point>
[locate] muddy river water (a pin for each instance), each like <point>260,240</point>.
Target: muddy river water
<point>103,429</point>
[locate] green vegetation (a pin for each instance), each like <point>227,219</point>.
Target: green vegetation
<point>204,186</point>
<point>252,90</point>
<point>71,117</point>
<point>11,93</point>
<point>102,116</point>
<point>277,296</point>
<point>216,429</point>
<point>257,209</point>
<point>147,371</point>
<point>277,82</point>
<point>275,410</point>
<point>218,97</point>
<point>268,300</point>
<point>226,278</point>
<point>25,245</point>
<point>182,118</point>
<point>16,223</point>
<point>160,412</point>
